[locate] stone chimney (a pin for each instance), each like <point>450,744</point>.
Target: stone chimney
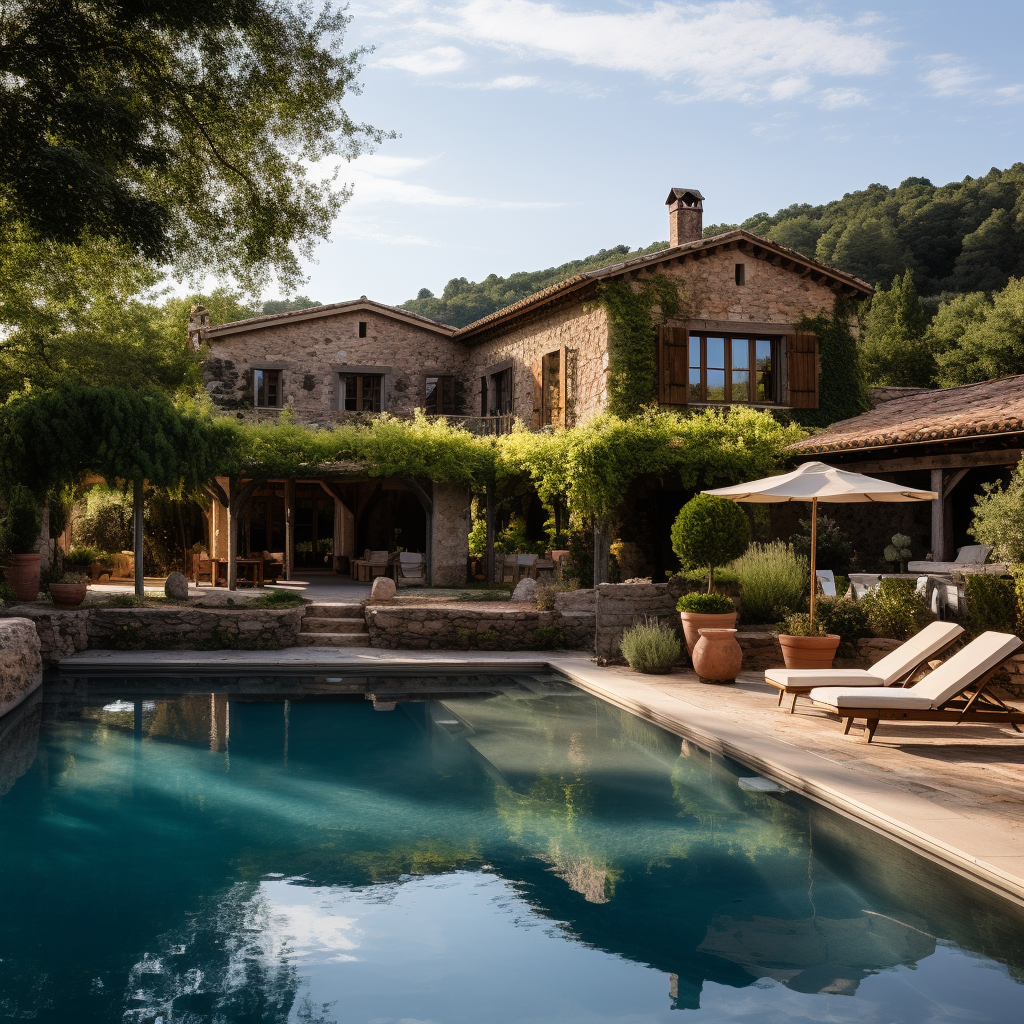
<point>685,215</point>
<point>198,322</point>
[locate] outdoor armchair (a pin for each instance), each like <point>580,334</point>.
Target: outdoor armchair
<point>957,691</point>
<point>407,565</point>
<point>895,668</point>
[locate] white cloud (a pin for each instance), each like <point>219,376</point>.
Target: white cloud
<point>513,82</point>
<point>950,77</point>
<point>836,99</point>
<point>731,49</point>
<point>438,60</point>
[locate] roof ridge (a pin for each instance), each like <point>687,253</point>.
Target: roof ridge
<point>264,318</point>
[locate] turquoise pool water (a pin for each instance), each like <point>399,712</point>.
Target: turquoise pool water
<point>528,856</point>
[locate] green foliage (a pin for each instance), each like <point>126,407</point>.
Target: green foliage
<point>464,301</point>
<point>633,339</point>
<point>22,522</point>
<point>7,595</point>
<point>834,548</point>
<point>105,520</point>
<point>287,305</point>
<point>709,531</point>
<point>845,618</point>
<point>999,517</point>
<point>841,390</point>
<point>723,577</point>
<point>546,595</point>
<point>895,610</point>
<point>651,647</point>
<point>277,599</point>
<point>71,577</point>
<point>774,580</point>
<point>82,556</point>
<point>991,603</point>
<point>990,338</point>
<point>183,132</point>
<point>799,624</point>
<point>898,552</point>
<point>127,637</point>
<point>549,638</point>
<point>893,349</point>
<point>705,604</point>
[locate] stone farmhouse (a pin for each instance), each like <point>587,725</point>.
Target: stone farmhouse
<point>543,360</point>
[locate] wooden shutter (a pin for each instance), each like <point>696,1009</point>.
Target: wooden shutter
<point>672,365</point>
<point>538,393</point>
<point>802,366</point>
<point>563,388</point>
<point>446,397</point>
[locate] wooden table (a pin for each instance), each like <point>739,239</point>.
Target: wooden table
<point>256,564</point>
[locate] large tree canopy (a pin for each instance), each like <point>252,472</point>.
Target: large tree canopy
<point>181,130</point>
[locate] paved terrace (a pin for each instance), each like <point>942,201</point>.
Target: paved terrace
<point>953,793</point>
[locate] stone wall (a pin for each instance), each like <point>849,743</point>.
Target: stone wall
<point>311,353</point>
<point>619,605</point>
<point>442,627</point>
<point>762,650</point>
<point>21,665</point>
<point>449,547</point>
<point>62,634</point>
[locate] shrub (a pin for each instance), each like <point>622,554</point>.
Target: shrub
<point>844,618</point>
<point>895,610</point>
<point>774,580</point>
<point>546,595</point>
<point>106,521</point>
<point>22,523</point>
<point>999,517</point>
<point>7,595</point>
<point>705,604</point>
<point>799,624</point>
<point>898,552</point>
<point>126,601</point>
<point>651,647</point>
<point>276,599</point>
<point>709,531</point>
<point>549,638</point>
<point>991,603</point>
<point>723,577</point>
<point>86,556</point>
<point>71,577</point>
<point>834,548</point>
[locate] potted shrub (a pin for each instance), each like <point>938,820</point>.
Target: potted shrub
<point>19,535</point>
<point>651,647</point>
<point>704,611</point>
<point>69,589</point>
<point>807,646</point>
<point>708,532</point>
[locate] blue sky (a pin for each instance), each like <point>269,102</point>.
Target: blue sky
<point>533,133</point>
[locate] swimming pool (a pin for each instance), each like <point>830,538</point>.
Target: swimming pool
<point>504,850</point>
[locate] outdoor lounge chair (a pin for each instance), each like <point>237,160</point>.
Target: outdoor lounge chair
<point>957,691</point>
<point>894,669</point>
<point>826,582</point>
<point>407,565</point>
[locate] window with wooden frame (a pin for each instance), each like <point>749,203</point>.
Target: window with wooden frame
<point>500,392</point>
<point>552,388</point>
<point>439,396</point>
<point>361,392</point>
<point>732,370</point>
<point>266,389</point>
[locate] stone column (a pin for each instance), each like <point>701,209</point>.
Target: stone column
<point>449,538</point>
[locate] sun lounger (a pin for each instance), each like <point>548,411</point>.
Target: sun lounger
<point>957,691</point>
<point>895,668</point>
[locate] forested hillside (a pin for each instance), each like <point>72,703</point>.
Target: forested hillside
<point>962,237</point>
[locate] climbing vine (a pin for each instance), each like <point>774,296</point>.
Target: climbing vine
<point>634,315</point>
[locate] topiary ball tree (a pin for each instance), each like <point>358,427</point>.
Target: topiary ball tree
<point>709,531</point>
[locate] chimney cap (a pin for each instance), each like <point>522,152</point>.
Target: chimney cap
<point>687,195</point>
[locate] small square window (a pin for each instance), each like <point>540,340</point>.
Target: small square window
<point>362,328</point>
<point>741,273</point>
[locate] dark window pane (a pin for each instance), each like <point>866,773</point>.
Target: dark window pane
<point>694,350</point>
<point>350,394</point>
<point>430,395</point>
<point>273,378</point>
<point>716,385</point>
<point>716,353</point>
<point>740,354</point>
<point>741,385</point>
<point>259,389</point>
<point>765,384</point>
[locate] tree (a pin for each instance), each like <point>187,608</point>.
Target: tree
<point>992,340</point>
<point>52,438</point>
<point>710,531</point>
<point>181,130</point>
<point>894,351</point>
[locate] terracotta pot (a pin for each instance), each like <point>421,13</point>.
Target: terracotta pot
<point>23,575</point>
<point>809,651</point>
<point>68,595</point>
<point>718,656</point>
<point>694,621</point>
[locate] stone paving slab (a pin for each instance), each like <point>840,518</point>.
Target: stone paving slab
<point>952,793</point>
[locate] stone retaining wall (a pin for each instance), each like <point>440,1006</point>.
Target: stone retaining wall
<point>63,633</point>
<point>762,650</point>
<point>441,627</point>
<point>619,605</point>
<point>21,664</point>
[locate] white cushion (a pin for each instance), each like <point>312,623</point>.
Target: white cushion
<point>839,697</point>
<point>972,554</point>
<point>915,651</point>
<point>822,677</point>
<point>967,665</point>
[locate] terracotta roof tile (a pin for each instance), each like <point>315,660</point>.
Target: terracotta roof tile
<point>974,410</point>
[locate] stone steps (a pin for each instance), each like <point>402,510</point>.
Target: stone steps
<point>334,640</point>
<point>340,610</point>
<point>323,624</point>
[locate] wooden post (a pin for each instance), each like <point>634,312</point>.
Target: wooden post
<point>814,552</point>
<point>233,511</point>
<point>600,554</point>
<point>137,508</point>
<point>489,542</point>
<point>938,517</point>
<point>289,528</point>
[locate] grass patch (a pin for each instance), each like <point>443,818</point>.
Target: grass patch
<point>277,599</point>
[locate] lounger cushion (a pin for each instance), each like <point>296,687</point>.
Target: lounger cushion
<point>822,677</point>
<point>915,651</point>
<point>967,665</point>
<point>839,697</point>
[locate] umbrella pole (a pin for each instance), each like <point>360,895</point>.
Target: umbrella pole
<point>814,552</point>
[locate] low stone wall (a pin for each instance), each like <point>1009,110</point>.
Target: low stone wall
<point>619,605</point>
<point>762,650</point>
<point>63,633</point>
<point>444,627</point>
<point>21,663</point>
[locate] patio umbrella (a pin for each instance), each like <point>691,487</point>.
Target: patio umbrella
<point>814,482</point>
